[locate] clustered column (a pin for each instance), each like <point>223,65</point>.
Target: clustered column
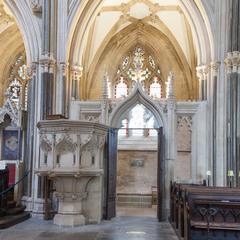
<point>76,74</point>
<point>233,113</point>
<point>232,62</point>
<point>202,72</point>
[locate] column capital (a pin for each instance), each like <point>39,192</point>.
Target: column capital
<point>215,67</point>
<point>232,62</point>
<point>47,62</point>
<point>64,66</point>
<point>202,71</point>
<point>76,71</point>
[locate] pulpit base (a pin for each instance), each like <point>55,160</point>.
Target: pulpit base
<point>69,220</point>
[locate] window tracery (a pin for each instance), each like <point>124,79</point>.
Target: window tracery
<point>139,65</point>
<point>18,82</point>
<point>139,122</point>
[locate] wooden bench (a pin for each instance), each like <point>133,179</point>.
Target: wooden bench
<point>189,200</point>
<point>211,212</point>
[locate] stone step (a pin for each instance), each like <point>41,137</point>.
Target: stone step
<point>16,210</point>
<point>10,220</point>
<point>11,204</point>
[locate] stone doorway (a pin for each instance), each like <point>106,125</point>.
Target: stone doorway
<point>135,179</point>
<point>137,162</point>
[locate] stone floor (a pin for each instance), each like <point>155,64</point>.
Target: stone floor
<point>120,228</point>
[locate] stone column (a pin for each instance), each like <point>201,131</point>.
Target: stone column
<point>62,83</point>
<point>76,74</point>
<point>202,72</point>
<point>171,139</point>
<point>48,84</point>
<point>214,67</point>
<point>233,113</point>
<point>104,103</point>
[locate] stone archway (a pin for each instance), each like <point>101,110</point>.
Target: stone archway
<point>138,96</point>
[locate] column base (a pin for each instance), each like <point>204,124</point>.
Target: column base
<point>69,220</point>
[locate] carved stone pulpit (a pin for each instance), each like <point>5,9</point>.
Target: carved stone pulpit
<point>72,156</point>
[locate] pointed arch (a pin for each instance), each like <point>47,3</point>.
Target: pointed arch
<point>31,35</point>
<point>137,96</point>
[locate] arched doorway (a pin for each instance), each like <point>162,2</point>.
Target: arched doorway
<point>138,132</point>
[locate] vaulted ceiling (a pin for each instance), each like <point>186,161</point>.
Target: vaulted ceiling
<point>110,30</point>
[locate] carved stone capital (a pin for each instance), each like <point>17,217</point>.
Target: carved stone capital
<point>64,68</point>
<point>36,7</point>
<point>48,63</point>
<point>232,62</point>
<point>215,67</point>
<point>76,71</point>
<point>202,72</point>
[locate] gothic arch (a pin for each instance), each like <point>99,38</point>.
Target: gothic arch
<point>31,35</point>
<point>137,96</point>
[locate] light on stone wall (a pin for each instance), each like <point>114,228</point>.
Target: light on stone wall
<point>230,173</point>
<point>209,173</point>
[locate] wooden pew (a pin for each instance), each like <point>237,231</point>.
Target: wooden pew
<point>211,213</point>
<point>177,205</point>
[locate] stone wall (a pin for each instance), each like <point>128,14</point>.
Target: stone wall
<point>183,164</point>
<point>131,176</point>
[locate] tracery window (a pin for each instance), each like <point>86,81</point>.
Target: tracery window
<point>139,122</point>
<point>18,82</point>
<point>139,65</point>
